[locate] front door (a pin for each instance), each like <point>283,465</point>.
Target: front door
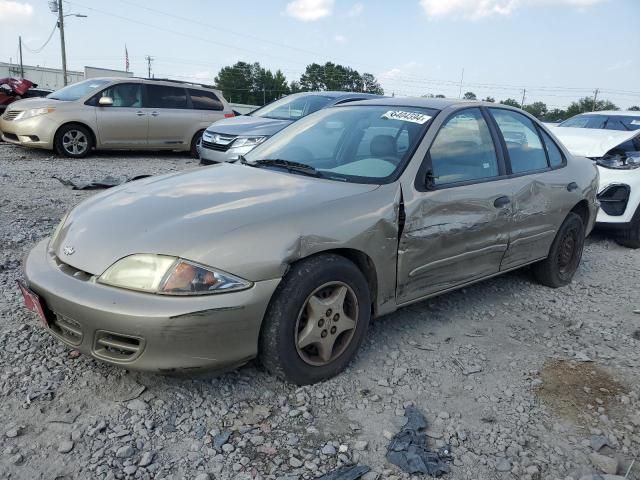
<point>456,227</point>
<point>124,124</point>
<point>171,122</point>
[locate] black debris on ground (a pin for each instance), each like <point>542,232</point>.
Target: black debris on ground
<point>409,451</point>
<point>106,182</point>
<point>348,472</point>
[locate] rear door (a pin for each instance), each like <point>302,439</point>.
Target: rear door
<point>125,124</point>
<point>457,215</point>
<point>172,123</point>
<point>543,193</point>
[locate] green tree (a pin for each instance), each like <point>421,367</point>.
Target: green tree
<point>489,99</point>
<point>439,95</point>
<point>470,96</point>
<point>585,104</point>
<point>331,76</point>
<point>510,102</point>
<point>537,109</point>
<point>555,115</point>
<point>251,83</point>
<point>635,108</point>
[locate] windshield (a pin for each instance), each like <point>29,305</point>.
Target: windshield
<point>293,107</point>
<point>362,144</point>
<point>77,90</point>
<point>585,121</point>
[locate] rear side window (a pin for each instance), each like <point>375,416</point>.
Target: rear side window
<point>555,155</point>
<point>203,100</point>
<point>160,96</point>
<point>523,143</point>
<point>463,150</point>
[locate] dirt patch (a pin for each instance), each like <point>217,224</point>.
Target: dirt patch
<point>575,389</point>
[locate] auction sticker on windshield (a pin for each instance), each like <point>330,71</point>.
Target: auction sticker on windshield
<point>413,117</point>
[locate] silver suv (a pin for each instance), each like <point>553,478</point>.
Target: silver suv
<point>115,113</point>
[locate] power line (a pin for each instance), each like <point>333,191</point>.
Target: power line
<point>38,50</point>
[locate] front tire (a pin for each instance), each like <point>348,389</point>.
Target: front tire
<point>73,141</point>
<point>316,321</point>
<point>558,269</point>
<point>631,236</point>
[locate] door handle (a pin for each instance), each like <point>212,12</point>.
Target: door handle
<point>572,186</point>
<point>140,114</point>
<point>501,202</point>
<point>154,114</point>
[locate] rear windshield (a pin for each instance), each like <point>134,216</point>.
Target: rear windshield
<point>293,107</point>
<point>609,122</point>
<point>77,90</point>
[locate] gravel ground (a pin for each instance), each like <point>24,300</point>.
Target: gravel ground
<point>524,382</point>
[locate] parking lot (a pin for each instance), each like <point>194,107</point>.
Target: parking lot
<point>521,380</point>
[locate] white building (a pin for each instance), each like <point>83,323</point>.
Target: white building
<point>52,78</point>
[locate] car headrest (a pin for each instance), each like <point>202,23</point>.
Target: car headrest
<point>383,146</point>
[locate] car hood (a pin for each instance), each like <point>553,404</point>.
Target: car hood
<point>248,125</point>
<point>591,142</point>
<point>190,214</point>
<point>29,103</point>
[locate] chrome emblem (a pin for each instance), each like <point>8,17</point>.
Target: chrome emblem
<point>68,250</point>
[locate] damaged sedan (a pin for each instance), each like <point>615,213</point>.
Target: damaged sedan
<point>287,254</point>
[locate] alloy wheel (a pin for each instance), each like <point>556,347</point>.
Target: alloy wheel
<point>75,142</point>
<point>326,323</point>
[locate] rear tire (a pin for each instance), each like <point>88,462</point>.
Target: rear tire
<point>558,269</point>
<point>73,141</point>
<point>195,141</point>
<point>631,236</point>
<point>316,321</point>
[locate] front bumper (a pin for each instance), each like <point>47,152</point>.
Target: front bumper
<point>37,132</point>
<point>209,156</point>
<point>144,331</point>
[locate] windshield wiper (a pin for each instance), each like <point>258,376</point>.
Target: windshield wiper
<point>289,165</point>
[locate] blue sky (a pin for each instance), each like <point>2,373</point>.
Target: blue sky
<point>558,50</point>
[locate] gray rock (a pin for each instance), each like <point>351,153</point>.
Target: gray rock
<point>16,459</point>
<point>146,459</point>
<point>125,452</point>
<point>65,446</point>
<point>137,405</point>
<point>295,463</point>
<point>130,469</point>
<point>328,449</point>
<point>598,441</point>
<point>13,432</point>
<point>202,476</point>
<point>361,445</point>
<point>503,464</point>
<point>603,463</point>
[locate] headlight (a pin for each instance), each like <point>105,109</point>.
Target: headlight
<point>247,141</point>
<point>34,112</point>
<point>56,232</point>
<point>168,275</point>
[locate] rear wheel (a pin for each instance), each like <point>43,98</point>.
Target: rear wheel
<point>558,269</point>
<point>74,141</point>
<point>631,236</point>
<point>316,321</point>
<point>195,144</point>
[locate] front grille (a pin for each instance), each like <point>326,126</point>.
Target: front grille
<point>215,146</point>
<point>66,328</point>
<point>11,115</point>
<point>117,347</point>
<point>614,199</point>
<point>11,136</point>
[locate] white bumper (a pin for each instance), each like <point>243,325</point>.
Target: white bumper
<point>608,177</point>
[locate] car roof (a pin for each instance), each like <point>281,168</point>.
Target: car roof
<point>338,94</point>
<point>614,113</point>
<point>435,103</point>
<point>159,81</point>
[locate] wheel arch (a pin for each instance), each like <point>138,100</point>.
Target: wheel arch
<point>364,263</point>
<point>582,210</point>
<point>94,138</point>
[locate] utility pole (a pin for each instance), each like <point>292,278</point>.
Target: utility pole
<point>21,66</point>
<point>149,59</point>
<point>62,45</point>
<point>595,99</point>
<point>524,92</point>
<point>461,79</point>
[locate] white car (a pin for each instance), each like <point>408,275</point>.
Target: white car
<point>617,154</point>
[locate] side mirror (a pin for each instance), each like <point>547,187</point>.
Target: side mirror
<point>105,102</point>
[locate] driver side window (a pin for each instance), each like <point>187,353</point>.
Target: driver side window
<point>463,150</point>
<point>124,95</point>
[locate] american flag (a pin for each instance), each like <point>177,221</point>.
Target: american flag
<point>126,59</point>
